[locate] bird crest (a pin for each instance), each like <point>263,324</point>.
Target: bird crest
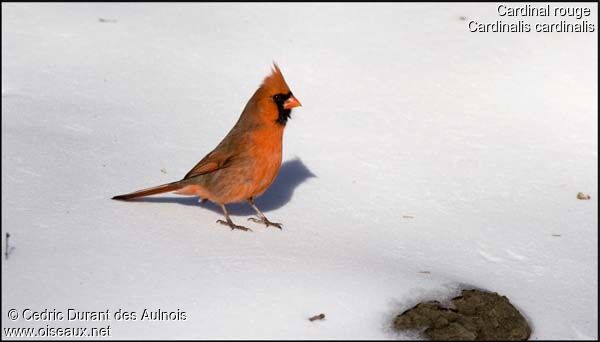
<point>275,83</point>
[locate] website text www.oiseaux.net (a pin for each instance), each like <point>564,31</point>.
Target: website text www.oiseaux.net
<point>49,331</point>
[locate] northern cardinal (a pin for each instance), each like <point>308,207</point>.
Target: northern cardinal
<point>248,159</point>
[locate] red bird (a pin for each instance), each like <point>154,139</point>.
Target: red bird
<point>248,159</point>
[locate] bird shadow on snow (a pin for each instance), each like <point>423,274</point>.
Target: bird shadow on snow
<point>291,174</point>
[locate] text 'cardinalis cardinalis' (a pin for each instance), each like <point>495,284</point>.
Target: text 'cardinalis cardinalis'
<point>248,159</point>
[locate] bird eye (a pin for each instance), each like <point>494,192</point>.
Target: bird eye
<point>277,97</point>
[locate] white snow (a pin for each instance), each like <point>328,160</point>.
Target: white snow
<point>484,138</point>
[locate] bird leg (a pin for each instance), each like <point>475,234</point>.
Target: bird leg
<point>230,223</point>
<point>263,218</point>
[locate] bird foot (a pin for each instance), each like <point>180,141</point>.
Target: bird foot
<point>233,226</point>
<point>265,221</point>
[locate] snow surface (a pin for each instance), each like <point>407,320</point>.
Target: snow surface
<point>420,147</point>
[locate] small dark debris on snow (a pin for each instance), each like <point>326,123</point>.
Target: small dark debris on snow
<point>317,317</point>
<point>556,235</point>
<point>8,248</point>
<point>163,170</point>
<point>462,17</point>
<point>104,20</point>
<point>582,196</point>
<point>407,216</point>
<point>424,272</point>
<point>475,315</point>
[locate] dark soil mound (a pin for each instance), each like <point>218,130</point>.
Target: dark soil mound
<point>476,315</point>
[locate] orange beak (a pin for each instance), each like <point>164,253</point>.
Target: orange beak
<point>292,102</point>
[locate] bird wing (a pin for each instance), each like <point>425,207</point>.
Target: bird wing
<point>213,161</point>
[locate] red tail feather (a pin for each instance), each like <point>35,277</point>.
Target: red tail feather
<point>150,191</point>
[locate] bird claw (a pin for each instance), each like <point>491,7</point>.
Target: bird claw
<point>266,222</point>
<point>233,226</point>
